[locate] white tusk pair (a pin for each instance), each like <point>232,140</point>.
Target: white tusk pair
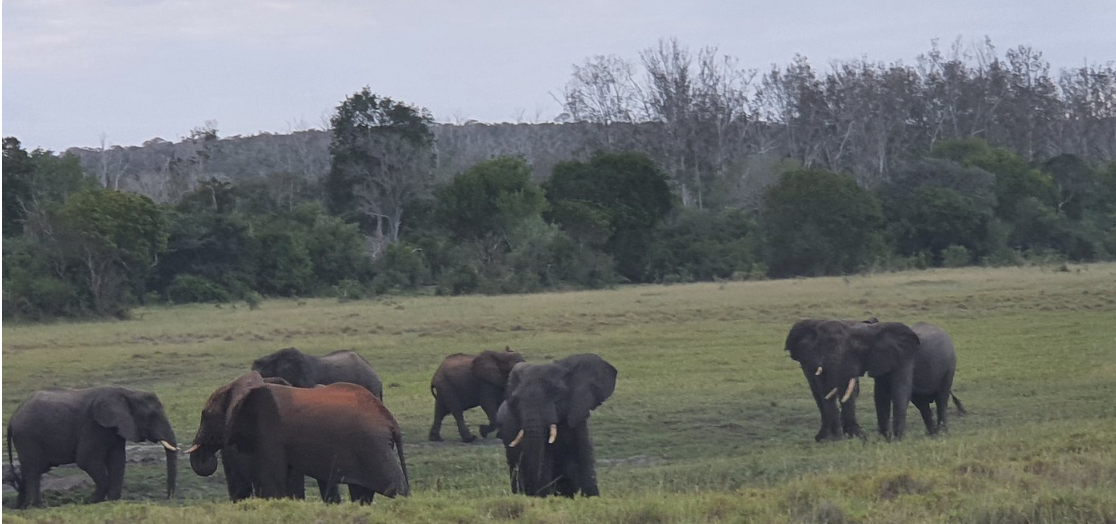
<point>168,445</point>
<point>553,436</point>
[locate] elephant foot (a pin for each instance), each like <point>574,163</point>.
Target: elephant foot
<point>855,431</point>
<point>485,430</point>
<point>468,438</point>
<point>435,437</point>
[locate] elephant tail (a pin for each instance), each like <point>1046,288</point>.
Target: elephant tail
<point>434,391</point>
<point>957,403</point>
<point>397,438</point>
<point>17,482</point>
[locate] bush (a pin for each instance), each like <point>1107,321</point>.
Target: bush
<point>348,289</point>
<point>956,256</point>
<point>185,289</point>
<point>253,300</point>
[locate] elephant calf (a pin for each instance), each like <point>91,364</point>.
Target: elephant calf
<point>87,427</point>
<point>463,382</point>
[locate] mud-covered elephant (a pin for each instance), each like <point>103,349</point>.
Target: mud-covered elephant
<point>307,371</point>
<point>891,353</point>
<point>463,382</point>
<point>544,424</point>
<point>87,427</point>
<point>339,433</point>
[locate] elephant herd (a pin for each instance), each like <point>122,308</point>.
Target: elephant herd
<point>296,415</point>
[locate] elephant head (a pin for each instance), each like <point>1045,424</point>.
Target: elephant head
<point>217,430</point>
<point>138,416</point>
<point>548,404</point>
<point>494,367</point>
<point>289,364</point>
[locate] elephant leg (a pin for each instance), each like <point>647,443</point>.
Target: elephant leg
<point>361,494</point>
<point>848,416</point>
<point>238,474</point>
<point>115,468</point>
<point>271,471</point>
<point>490,405</point>
<point>823,432</point>
<point>440,413</point>
<point>942,403</point>
<point>95,467</point>
<point>923,405</point>
<point>331,491</point>
<point>459,416</point>
<point>584,463</point>
<point>31,494</point>
<point>296,484</point>
<point>883,406</point>
<point>900,397</point>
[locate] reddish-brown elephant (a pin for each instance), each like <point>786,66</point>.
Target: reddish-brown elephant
<point>466,381</point>
<point>340,433</point>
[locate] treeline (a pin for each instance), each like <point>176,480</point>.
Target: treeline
<point>73,248</point>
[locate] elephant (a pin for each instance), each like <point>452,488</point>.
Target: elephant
<point>337,433</point>
<point>306,371</point>
<point>87,427</point>
<point>463,382</point>
<point>891,353</point>
<point>544,424</point>
<point>933,377</point>
<point>804,345</point>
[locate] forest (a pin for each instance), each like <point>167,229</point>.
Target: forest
<point>682,166</point>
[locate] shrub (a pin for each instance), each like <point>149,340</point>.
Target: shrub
<point>185,289</point>
<point>956,256</point>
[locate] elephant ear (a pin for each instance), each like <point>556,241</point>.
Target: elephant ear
<point>591,380</point>
<point>486,367</point>
<point>802,341</point>
<point>237,428</point>
<point>114,411</point>
<point>888,346</point>
<point>507,425</point>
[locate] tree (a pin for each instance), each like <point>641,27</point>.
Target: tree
<point>18,170</point>
<point>110,240</point>
<point>616,199</point>
<point>603,91</point>
<point>815,222</point>
<point>382,160</point>
<point>486,202</point>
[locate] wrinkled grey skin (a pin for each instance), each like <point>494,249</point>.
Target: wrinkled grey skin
<point>87,427</point>
<point>803,346</point>
<point>465,381</point>
<point>561,393</point>
<point>306,371</point>
<point>933,377</point>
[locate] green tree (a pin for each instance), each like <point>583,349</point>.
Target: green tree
<point>815,222</point>
<point>615,200</point>
<point>486,202</point>
<point>382,159</point>
<point>931,219</point>
<point>110,240</point>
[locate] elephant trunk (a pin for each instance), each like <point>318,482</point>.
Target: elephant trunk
<point>172,471</point>
<point>535,470</point>
<point>203,460</point>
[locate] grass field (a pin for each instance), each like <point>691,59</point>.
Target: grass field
<point>710,422</point>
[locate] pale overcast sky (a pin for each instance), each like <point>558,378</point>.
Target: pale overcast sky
<point>138,69</point>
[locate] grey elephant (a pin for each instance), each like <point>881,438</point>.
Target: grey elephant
<point>339,433</point>
<point>87,427</point>
<point>834,354</point>
<point>933,377</point>
<point>306,371</point>
<point>463,382</point>
<point>544,424</point>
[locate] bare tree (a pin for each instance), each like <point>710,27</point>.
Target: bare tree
<point>603,90</point>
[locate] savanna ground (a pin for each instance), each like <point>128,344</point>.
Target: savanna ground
<point>710,422</point>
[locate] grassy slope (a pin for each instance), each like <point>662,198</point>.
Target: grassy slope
<point>710,420</point>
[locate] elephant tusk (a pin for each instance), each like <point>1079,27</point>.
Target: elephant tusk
<point>168,445</point>
<point>831,393</point>
<point>192,449</point>
<point>818,372</point>
<point>518,438</point>
<point>553,434</point>
<point>849,390</point>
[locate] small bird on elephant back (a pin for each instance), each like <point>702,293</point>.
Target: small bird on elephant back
<point>908,363</point>
<point>463,382</point>
<point>544,424</point>
<point>87,427</point>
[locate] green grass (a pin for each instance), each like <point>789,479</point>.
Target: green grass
<point>710,421</point>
